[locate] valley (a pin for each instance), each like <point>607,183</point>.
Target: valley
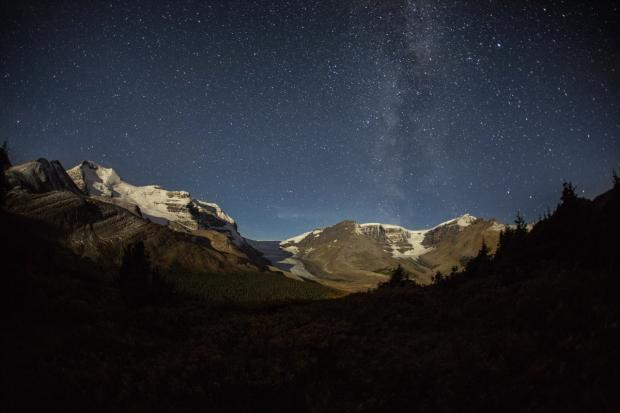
<point>309,206</point>
<point>312,323</point>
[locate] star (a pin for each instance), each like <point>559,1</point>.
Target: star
<point>419,108</point>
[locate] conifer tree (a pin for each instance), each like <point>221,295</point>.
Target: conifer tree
<point>484,252</point>
<point>3,187</point>
<point>398,277</point>
<point>568,193</point>
<point>438,278</point>
<point>135,275</point>
<point>520,224</point>
<point>142,283</point>
<point>481,262</point>
<point>4,164</point>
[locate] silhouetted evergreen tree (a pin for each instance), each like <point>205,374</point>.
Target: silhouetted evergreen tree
<point>438,278</point>
<point>139,280</point>
<point>398,277</point>
<point>4,165</point>
<point>481,262</point>
<point>485,251</point>
<point>161,291</point>
<point>3,187</point>
<point>616,179</point>
<point>511,238</point>
<point>134,274</point>
<point>569,196</point>
<point>520,224</point>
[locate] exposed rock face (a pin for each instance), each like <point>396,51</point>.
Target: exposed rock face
<point>379,233</point>
<point>40,176</point>
<point>401,242</point>
<point>447,230</point>
<point>356,257</point>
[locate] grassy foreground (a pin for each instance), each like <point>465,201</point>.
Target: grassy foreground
<point>247,288</point>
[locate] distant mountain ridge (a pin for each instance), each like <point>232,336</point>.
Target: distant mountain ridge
<point>356,257</point>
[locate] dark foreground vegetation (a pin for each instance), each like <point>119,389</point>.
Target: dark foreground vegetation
<point>535,328</point>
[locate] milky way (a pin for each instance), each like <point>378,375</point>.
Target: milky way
<point>298,114</point>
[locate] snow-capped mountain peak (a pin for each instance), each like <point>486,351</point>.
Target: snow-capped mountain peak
<point>462,221</point>
<point>174,208</point>
<point>215,210</point>
<point>98,180</point>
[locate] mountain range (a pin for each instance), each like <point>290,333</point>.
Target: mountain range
<point>535,323</point>
<point>100,213</point>
<point>356,257</point>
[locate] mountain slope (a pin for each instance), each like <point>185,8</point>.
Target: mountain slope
<point>97,228</point>
<point>356,257</point>
<point>174,209</point>
<point>99,231</point>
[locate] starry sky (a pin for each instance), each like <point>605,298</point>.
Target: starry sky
<point>298,114</point>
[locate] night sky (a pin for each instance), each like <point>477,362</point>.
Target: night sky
<point>298,114</point>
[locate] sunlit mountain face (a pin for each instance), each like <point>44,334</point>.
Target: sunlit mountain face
<point>400,112</point>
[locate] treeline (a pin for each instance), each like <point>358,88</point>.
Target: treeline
<point>579,234</point>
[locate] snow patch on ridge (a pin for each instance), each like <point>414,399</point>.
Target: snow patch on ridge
<point>497,227</point>
<point>397,235</point>
<point>297,239</point>
<point>462,221</point>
